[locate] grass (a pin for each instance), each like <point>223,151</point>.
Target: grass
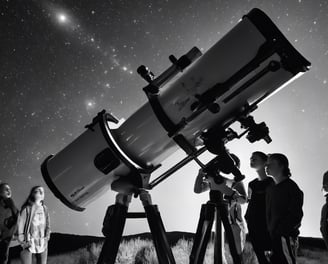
<point>140,251</point>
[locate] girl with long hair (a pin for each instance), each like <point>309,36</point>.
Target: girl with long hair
<point>34,227</point>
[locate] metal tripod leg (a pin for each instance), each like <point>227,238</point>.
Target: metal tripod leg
<point>218,251</point>
<point>203,233</point>
<point>223,211</point>
<point>113,226</point>
<point>163,250</point>
<point>204,228</point>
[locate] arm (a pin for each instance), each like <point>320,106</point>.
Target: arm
<point>249,194</point>
<point>47,230</point>
<point>12,221</point>
<point>201,184</point>
<point>324,223</point>
<point>230,193</point>
<point>240,188</point>
<point>10,204</point>
<point>21,225</point>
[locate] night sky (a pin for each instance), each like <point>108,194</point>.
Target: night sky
<point>61,62</point>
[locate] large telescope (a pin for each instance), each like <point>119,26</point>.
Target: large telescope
<point>197,96</point>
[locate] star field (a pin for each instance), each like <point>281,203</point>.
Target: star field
<point>64,61</point>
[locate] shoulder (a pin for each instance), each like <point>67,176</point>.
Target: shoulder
<point>290,188</point>
<point>26,209</point>
<point>325,207</point>
<point>251,183</point>
<point>293,185</point>
<point>2,204</point>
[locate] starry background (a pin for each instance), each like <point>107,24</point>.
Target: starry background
<point>64,61</point>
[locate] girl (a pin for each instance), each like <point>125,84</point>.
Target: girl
<point>34,227</point>
<point>8,221</point>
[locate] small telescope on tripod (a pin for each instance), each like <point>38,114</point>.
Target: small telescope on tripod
<point>196,99</point>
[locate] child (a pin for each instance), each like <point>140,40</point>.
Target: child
<point>34,227</point>
<point>8,221</point>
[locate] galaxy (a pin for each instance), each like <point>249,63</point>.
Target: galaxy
<point>62,62</point>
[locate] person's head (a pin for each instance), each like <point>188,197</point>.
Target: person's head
<point>258,160</point>
<point>278,166</point>
<point>5,190</point>
<point>325,182</point>
<point>36,196</point>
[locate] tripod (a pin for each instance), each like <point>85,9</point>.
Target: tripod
<point>214,209</point>
<point>114,222</point>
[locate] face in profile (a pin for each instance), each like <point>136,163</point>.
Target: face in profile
<point>38,194</point>
<point>272,167</point>
<point>256,162</point>
<point>5,191</point>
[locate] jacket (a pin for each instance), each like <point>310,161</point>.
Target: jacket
<point>24,223</point>
<point>284,202</point>
<point>324,222</point>
<point>8,219</point>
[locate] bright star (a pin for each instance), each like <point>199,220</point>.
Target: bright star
<point>90,104</point>
<point>61,17</point>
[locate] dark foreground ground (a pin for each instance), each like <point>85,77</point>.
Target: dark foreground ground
<point>64,243</point>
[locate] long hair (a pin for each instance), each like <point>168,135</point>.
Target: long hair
<point>325,181</point>
<point>283,161</point>
<point>30,199</point>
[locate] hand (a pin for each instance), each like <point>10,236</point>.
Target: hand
<point>235,196</point>
<point>26,244</point>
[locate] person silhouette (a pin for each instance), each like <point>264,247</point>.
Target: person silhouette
<point>256,211</point>
<point>34,227</point>
<point>324,210</point>
<point>8,221</point>
<point>234,195</point>
<point>284,213</point>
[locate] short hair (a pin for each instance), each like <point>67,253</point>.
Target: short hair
<point>282,160</point>
<point>325,179</point>
<point>261,154</point>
